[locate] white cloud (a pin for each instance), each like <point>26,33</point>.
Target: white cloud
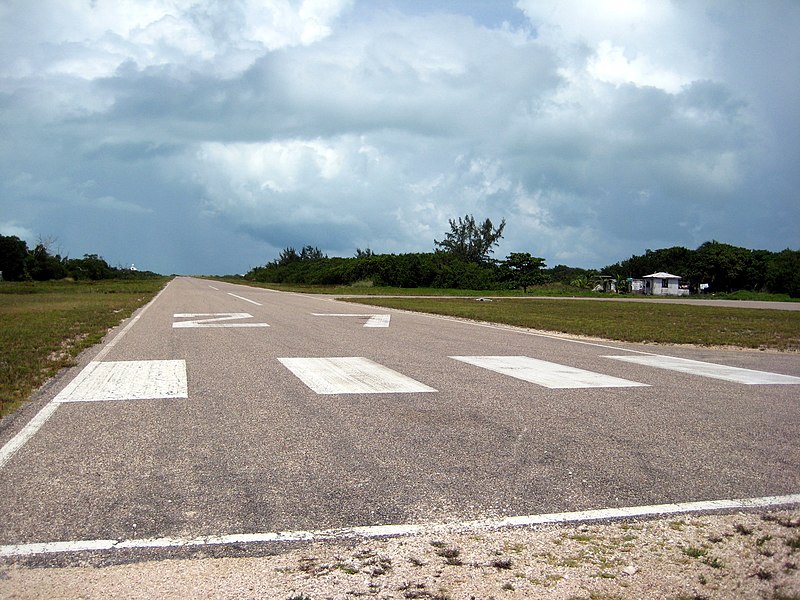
<point>611,65</point>
<point>92,39</point>
<point>656,43</point>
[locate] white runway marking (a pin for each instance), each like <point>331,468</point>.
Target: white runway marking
<point>704,369</point>
<point>351,375</point>
<point>245,299</point>
<point>27,432</point>
<point>127,380</point>
<point>547,374</point>
<point>213,320</point>
<point>372,320</point>
<point>381,531</point>
<point>216,289</point>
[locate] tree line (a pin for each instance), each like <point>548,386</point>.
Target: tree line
<point>721,267</point>
<point>19,263</point>
<point>462,260</point>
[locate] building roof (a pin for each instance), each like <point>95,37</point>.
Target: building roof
<point>661,275</point>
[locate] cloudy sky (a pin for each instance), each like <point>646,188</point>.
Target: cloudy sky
<point>203,136</point>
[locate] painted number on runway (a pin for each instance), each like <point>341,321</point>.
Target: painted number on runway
<point>371,320</point>
<point>214,320</point>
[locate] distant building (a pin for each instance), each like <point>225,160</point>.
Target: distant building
<point>663,284</point>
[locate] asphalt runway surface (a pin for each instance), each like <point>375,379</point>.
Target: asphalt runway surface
<point>225,409</point>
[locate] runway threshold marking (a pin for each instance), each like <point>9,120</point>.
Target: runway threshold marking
<point>351,375</point>
<point>382,531</point>
<point>713,370</point>
<point>127,380</point>
<point>198,320</point>
<point>373,320</point>
<point>547,374</point>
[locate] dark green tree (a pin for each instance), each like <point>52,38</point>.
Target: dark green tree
<point>783,273</point>
<point>524,269</point>
<point>287,256</point>
<point>311,253</point>
<point>42,266</point>
<point>91,266</point>
<point>723,266</point>
<point>13,255</point>
<point>469,241</point>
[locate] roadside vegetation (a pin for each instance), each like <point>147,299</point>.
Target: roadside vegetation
<point>462,260</point>
<point>19,263</point>
<point>44,325</point>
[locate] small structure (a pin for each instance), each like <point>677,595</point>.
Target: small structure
<point>605,283</point>
<point>663,284</point>
<point>636,286</point>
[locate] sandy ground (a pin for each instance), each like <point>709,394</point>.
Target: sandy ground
<point>743,555</point>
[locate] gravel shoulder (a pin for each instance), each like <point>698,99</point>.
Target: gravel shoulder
<point>742,555</point>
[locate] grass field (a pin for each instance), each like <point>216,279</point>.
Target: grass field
<point>43,326</point>
<point>656,322</point>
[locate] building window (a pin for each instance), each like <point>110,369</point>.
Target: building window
<point>665,283</point>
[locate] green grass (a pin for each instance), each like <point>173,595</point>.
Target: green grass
<point>655,322</point>
<point>43,326</point>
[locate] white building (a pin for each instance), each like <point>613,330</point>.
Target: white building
<point>663,284</point>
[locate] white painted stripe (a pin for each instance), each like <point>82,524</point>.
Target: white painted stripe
<point>373,320</point>
<point>200,320</point>
<point>351,375</point>
<point>26,433</point>
<point>704,369</point>
<point>127,380</point>
<point>378,321</point>
<point>547,374</point>
<point>245,299</point>
<point>216,289</point>
<point>381,531</point>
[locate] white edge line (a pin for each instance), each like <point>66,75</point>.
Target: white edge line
<point>380,531</point>
<point>245,299</point>
<point>27,432</point>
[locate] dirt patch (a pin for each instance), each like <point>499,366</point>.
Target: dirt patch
<point>744,555</point>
